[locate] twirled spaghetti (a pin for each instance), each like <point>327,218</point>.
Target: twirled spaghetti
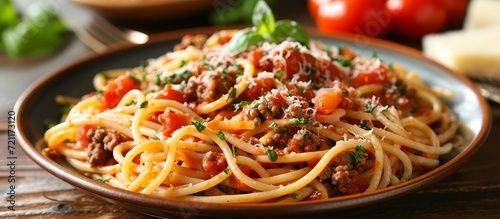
<point>279,122</point>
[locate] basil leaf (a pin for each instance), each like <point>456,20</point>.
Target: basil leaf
<point>263,18</point>
<point>243,40</point>
<point>28,40</point>
<point>290,29</point>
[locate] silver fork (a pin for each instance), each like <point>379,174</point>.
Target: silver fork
<point>99,34</point>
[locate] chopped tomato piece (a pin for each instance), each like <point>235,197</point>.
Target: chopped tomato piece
<point>326,103</point>
<point>235,183</point>
<point>358,184</point>
<point>170,94</point>
<point>259,88</point>
<point>213,163</point>
<point>255,57</point>
<point>81,134</point>
<point>293,61</point>
<point>173,120</point>
<point>377,74</point>
<point>328,69</point>
<point>116,89</point>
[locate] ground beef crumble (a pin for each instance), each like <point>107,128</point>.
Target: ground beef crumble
<point>342,176</point>
<point>102,142</point>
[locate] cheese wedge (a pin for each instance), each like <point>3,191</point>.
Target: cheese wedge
<point>482,13</point>
<point>475,53</point>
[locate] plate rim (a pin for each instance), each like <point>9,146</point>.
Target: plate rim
<point>121,196</point>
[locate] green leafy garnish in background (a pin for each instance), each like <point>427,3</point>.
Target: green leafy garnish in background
<point>8,17</point>
<point>38,33</point>
<point>265,29</point>
<point>234,11</point>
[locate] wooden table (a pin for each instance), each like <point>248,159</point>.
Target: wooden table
<point>471,192</point>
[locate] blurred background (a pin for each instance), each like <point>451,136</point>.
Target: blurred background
<point>39,36</point>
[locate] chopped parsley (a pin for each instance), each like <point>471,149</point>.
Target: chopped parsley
<point>301,90</point>
<point>241,104</point>
<point>280,76</point>
<point>239,73</point>
<point>102,180</point>
<point>64,109</point>
<point>183,63</point>
<point>369,107</point>
<point>295,196</point>
<point>329,52</point>
<point>235,149</point>
<point>99,93</point>
<point>307,135</point>
<point>358,154</point>
<point>344,62</point>
<point>143,105</point>
<point>231,94</point>
<point>365,126</point>
<point>272,155</point>
<point>345,92</point>
<point>158,78</point>
<point>226,171</point>
<point>183,85</point>
<point>133,102</point>
<point>257,121</point>
<point>341,49</point>
<point>105,75</point>
<point>274,125</point>
<point>143,65</point>
<point>199,125</point>
<point>225,74</point>
<point>49,123</point>
<point>301,121</point>
<point>134,79</point>
<point>221,135</point>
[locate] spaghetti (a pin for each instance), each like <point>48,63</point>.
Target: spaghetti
<point>278,122</point>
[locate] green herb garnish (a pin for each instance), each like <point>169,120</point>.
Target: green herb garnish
<point>102,180</point>
<point>357,154</point>
<point>49,123</point>
<point>143,105</point>
<point>365,126</point>
<point>344,62</point>
<point>265,29</point>
<point>241,104</point>
<point>199,125</point>
<point>231,94</point>
<point>235,149</point>
<point>272,155</point>
<point>369,107</point>
<point>275,126</point>
<point>301,121</point>
<point>221,135</point>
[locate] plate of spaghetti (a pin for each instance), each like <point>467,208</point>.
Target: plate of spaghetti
<point>267,121</point>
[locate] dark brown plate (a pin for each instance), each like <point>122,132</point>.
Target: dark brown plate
<point>75,79</point>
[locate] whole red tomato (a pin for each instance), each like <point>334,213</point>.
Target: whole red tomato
<point>314,5</point>
<point>415,18</point>
<point>369,18</point>
<point>455,10</point>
